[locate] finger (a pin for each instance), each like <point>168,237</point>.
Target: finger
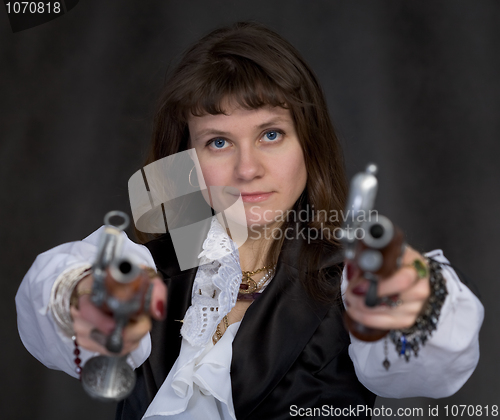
<point>419,292</point>
<point>404,307</point>
<point>383,317</point>
<point>403,315</point>
<point>87,310</point>
<point>137,329</point>
<point>93,315</point>
<point>95,340</point>
<point>89,337</point>
<point>134,332</point>
<point>403,279</point>
<point>384,321</point>
<point>158,299</point>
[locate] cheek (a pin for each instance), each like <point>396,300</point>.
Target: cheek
<point>293,175</point>
<point>213,174</point>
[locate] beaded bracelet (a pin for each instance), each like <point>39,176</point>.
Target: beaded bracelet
<point>77,360</point>
<point>409,340</point>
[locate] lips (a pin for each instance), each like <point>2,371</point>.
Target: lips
<point>255,197</point>
<point>256,193</point>
<point>249,196</point>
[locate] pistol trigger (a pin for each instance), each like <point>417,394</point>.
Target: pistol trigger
<point>371,299</point>
<point>115,340</point>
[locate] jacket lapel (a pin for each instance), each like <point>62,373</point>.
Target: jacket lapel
<point>274,331</point>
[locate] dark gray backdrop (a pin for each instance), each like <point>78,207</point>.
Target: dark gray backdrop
<point>411,85</point>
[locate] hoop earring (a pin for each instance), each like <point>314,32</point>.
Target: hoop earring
<point>189,178</point>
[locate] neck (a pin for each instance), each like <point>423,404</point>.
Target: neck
<point>254,252</point>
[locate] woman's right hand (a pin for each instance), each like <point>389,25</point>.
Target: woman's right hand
<point>92,325</point>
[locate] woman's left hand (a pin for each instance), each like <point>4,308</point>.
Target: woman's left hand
<point>404,287</point>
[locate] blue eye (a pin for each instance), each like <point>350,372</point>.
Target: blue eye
<point>272,135</point>
<point>219,143</point>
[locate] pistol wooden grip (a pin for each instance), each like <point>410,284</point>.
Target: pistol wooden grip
<point>391,254</point>
<point>133,289</point>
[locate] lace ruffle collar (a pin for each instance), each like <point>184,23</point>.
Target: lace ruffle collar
<point>215,288</point>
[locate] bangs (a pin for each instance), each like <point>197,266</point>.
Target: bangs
<point>234,81</point>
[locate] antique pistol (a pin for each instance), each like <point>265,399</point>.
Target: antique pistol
<point>120,287</point>
<point>123,290</point>
<point>373,246</point>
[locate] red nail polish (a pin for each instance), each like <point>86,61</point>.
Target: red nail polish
<point>160,309</point>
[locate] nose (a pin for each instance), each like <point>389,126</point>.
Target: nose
<point>248,164</point>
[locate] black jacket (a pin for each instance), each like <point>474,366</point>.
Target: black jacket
<point>289,349</point>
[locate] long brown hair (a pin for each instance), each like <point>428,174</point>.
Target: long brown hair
<point>256,67</point>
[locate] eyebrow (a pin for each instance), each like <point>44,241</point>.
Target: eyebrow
<point>271,122</point>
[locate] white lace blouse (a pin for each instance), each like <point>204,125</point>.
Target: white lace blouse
<point>199,385</point>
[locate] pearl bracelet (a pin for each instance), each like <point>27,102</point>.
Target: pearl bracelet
<point>60,297</point>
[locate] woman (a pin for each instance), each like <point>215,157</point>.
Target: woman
<point>255,116</point>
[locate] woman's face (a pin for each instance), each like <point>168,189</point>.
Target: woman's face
<point>255,151</point>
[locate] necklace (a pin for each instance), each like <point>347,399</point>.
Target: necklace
<point>249,285</point>
<point>218,333</point>
<point>252,293</point>
<point>249,290</point>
